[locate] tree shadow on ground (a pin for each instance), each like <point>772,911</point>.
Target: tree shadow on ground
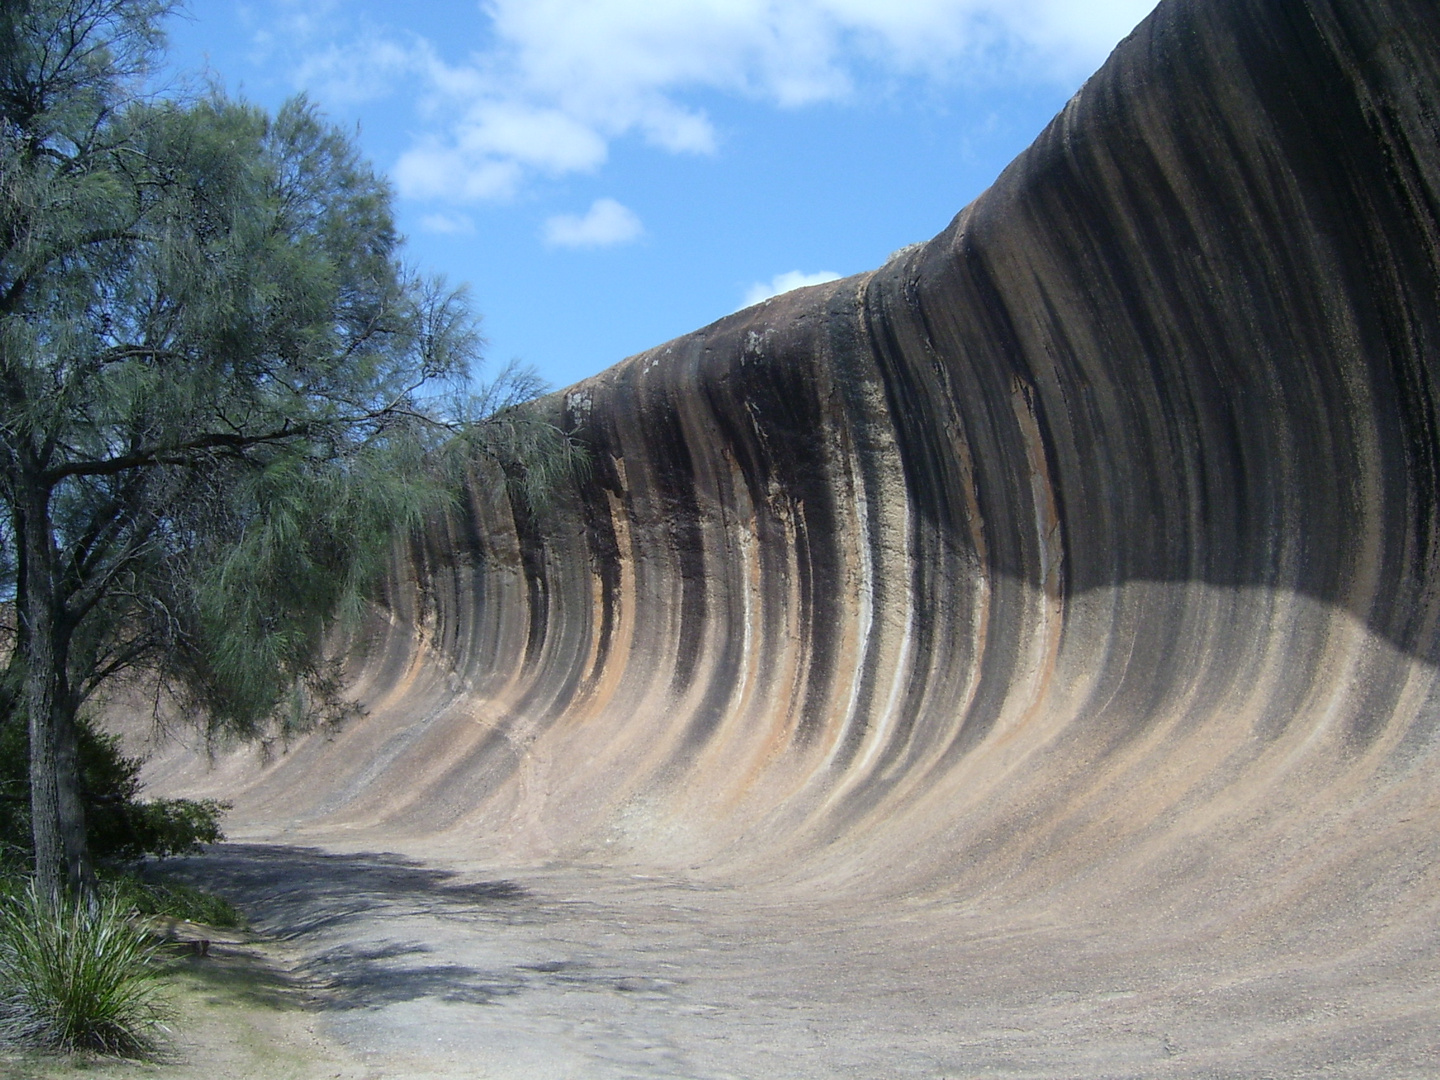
<point>243,975</point>
<point>358,976</point>
<point>290,891</point>
<point>297,896</point>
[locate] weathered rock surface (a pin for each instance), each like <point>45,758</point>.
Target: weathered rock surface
<point>1081,565</point>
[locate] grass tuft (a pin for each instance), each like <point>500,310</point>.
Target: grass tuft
<point>76,975</point>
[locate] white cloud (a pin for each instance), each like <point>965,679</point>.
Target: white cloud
<point>558,80</point>
<point>544,139</point>
<point>783,283</point>
<point>364,70</point>
<point>287,26</point>
<point>434,171</point>
<point>606,224</point>
<point>448,224</point>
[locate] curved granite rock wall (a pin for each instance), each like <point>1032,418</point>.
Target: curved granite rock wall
<point>1085,552</point>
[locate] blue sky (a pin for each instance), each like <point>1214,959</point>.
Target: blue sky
<point>608,174</point>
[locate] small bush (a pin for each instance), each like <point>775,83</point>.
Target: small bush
<point>76,975</point>
<point>174,900</point>
<point>164,827</point>
<point>156,899</point>
<point>119,825</point>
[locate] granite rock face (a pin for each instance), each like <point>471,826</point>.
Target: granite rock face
<point>1085,557</point>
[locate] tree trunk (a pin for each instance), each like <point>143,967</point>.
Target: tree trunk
<point>57,815</point>
<point>79,871</point>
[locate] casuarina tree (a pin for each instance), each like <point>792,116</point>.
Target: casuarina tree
<point>217,383</point>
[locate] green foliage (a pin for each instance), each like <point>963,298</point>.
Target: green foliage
<point>146,898</point>
<point>120,825</point>
<point>76,975</point>
<point>228,402</point>
<point>173,899</point>
<point>162,827</point>
<point>221,396</point>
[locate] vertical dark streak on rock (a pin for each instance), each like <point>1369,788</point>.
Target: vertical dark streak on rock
<point>851,364</point>
<point>602,546</point>
<point>531,534</point>
<point>674,474</point>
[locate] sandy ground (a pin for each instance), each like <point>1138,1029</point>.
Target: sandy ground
<point>377,966</point>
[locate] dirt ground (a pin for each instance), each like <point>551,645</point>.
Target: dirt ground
<point>372,965</point>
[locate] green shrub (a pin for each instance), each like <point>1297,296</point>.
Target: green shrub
<point>163,827</point>
<point>76,975</point>
<point>118,824</point>
<point>172,899</point>
<point>157,899</point>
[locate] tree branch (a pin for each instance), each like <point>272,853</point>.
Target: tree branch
<point>181,453</point>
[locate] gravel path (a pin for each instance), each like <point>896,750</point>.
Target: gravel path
<point>419,970</point>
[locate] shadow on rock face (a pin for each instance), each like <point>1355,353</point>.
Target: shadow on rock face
<point>1148,427</point>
